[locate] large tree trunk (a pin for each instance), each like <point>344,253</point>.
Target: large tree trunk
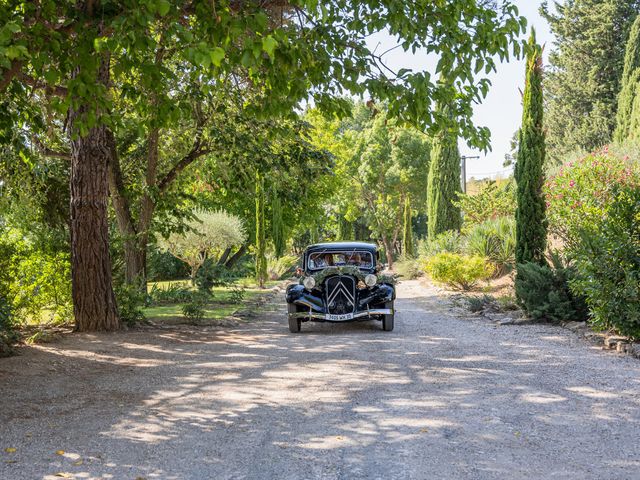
<point>94,303</point>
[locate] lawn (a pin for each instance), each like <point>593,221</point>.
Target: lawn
<point>221,305</point>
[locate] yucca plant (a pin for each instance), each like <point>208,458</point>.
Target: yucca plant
<point>495,240</point>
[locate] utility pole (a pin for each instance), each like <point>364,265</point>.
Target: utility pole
<point>463,171</point>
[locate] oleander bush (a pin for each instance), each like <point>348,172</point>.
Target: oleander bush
<point>458,271</point>
<point>608,262</point>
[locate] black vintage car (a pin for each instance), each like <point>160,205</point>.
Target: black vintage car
<point>341,282</point>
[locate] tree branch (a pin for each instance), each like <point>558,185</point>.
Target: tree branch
<point>58,90</point>
<point>9,74</point>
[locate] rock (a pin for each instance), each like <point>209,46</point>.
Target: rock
<point>575,326</point>
<point>612,341</point>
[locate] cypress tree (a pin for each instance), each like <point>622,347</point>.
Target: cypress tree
<point>277,226</point>
<point>630,84</point>
<point>531,227</point>
<point>261,259</point>
<point>407,237</point>
<point>443,184</point>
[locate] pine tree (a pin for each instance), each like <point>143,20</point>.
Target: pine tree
<point>261,259</point>
<point>630,84</point>
<point>586,65</point>
<point>278,233</point>
<point>407,237</point>
<point>443,184</point>
<point>531,227</point>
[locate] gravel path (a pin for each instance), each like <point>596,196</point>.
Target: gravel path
<point>440,397</point>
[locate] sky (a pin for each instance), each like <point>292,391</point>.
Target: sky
<point>501,110</point>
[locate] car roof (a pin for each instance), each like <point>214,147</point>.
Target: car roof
<point>343,246</point>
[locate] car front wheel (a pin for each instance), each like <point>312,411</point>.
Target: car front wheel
<point>387,320</point>
<point>294,323</point>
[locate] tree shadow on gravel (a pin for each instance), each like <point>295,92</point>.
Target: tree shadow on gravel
<point>337,401</point>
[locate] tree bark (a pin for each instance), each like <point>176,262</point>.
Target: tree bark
<point>236,256</point>
<point>94,303</point>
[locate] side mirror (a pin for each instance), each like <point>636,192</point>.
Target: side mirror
<point>299,272</point>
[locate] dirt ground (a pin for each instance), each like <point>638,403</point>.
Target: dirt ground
<point>439,397</point>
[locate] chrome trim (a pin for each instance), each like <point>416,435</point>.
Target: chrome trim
<point>323,316</point>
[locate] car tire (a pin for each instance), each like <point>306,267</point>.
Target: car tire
<point>387,320</point>
<point>294,323</point>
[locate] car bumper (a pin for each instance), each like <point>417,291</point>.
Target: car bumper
<point>324,317</point>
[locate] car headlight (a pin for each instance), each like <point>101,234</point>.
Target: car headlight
<point>370,280</point>
<point>309,283</point>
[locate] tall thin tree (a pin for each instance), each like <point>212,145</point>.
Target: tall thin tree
<point>443,184</point>
<point>260,252</point>
<point>531,225</point>
<point>630,84</point>
<point>407,234</point>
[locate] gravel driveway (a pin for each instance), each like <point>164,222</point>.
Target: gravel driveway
<point>440,397</point>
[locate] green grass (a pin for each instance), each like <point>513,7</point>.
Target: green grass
<point>219,307</point>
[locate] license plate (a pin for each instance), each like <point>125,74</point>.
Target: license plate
<point>346,316</point>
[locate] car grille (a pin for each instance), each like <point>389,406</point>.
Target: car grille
<point>340,294</point>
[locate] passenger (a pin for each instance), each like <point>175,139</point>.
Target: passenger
<point>355,260</point>
<point>328,260</point>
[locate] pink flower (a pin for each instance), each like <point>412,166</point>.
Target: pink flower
<point>572,183</point>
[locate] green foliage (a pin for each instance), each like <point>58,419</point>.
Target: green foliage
<point>407,234</point>
<point>237,294</point>
<point>608,263</point>
<point>492,201</point>
<point>7,335</point>
<point>278,233</point>
<point>194,309</point>
<point>531,224</point>
<point>278,268</point>
<point>130,303</point>
<point>630,85</point>
<point>408,268</point>
<point>40,286</point>
<point>443,185</point>
<point>170,294</point>
<point>494,240</point>
<point>582,85</point>
<point>458,271</point>
<point>579,192</point>
<point>260,245</point>
<point>544,293</point>
<point>449,241</point>
<point>164,266</point>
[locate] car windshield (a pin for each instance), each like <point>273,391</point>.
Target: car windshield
<point>323,259</point>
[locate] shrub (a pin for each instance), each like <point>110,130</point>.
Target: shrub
<point>164,266</point>
<point>277,268</point>
<point>213,275</point>
<point>495,240</point>
<point>491,202</point>
<point>408,268</point>
<point>544,293</point>
<point>578,193</point>
<point>194,309</point>
<point>458,271</point>
<point>172,293</point>
<point>130,301</point>
<point>449,241</point>
<point>608,263</point>
<point>237,294</point>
